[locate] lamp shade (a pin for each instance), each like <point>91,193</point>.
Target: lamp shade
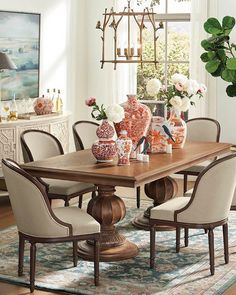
<point>6,63</point>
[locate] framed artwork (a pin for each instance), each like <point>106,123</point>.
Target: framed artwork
<point>20,40</point>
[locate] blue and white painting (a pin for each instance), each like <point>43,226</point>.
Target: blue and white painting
<point>20,40</point>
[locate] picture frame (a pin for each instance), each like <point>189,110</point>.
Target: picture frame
<point>20,41</point>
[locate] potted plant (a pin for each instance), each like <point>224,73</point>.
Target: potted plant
<point>220,52</point>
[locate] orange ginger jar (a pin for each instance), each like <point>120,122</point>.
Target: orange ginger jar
<point>136,122</point>
<point>178,129</point>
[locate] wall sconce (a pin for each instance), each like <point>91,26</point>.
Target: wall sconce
<point>130,53</point>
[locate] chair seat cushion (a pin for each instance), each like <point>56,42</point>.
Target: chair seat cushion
<point>82,223</point>
<point>64,187</point>
<point>166,210</point>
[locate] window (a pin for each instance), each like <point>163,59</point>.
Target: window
<point>173,45</point>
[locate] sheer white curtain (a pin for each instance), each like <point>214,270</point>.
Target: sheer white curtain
<point>125,76</point>
<point>199,14</point>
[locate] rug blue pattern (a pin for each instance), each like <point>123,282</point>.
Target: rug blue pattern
<point>184,273</point>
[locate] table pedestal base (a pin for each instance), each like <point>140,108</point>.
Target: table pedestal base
<point>159,191</point>
<point>125,251</point>
<point>108,209</point>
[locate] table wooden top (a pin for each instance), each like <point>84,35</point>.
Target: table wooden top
<point>82,166</point>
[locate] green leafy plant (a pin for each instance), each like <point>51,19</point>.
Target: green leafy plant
<point>220,52</point>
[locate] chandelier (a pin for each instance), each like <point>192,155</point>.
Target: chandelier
<point>132,50</point>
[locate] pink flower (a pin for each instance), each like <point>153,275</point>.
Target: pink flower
<point>91,101</point>
<point>202,89</point>
<point>179,86</point>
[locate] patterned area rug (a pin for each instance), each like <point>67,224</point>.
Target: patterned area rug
<point>183,273</point>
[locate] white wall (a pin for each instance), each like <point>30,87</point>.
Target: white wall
<point>63,48</point>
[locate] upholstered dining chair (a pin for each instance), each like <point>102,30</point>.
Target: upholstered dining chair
<point>84,133</point>
<point>37,222</point>
<point>200,129</point>
<point>39,145</point>
<point>198,211</point>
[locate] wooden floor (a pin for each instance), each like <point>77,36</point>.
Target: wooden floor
<point>7,219</point>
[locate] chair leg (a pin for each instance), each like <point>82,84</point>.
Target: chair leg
<point>32,265</point>
<point>138,196</point>
<point>80,201</point>
<point>75,255</point>
<point>186,232</point>
<point>152,246</point>
<point>50,202</point>
<point>211,250</point>
<point>185,183</point>
<point>96,261</point>
<point>66,204</point>
<point>21,255</point>
<point>226,243</point>
<point>177,246</point>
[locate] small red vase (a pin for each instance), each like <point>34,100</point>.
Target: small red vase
<point>124,147</point>
<point>136,122</point>
<point>178,129</point>
<point>104,150</point>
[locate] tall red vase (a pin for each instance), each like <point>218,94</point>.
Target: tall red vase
<point>104,150</point>
<point>136,122</point>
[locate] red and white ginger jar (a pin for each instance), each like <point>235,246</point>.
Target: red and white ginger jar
<point>136,122</point>
<point>124,146</point>
<point>43,106</point>
<point>104,150</point>
<point>178,129</point>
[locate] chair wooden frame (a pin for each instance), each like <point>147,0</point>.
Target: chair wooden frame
<point>28,154</point>
<point>77,139</point>
<point>178,225</point>
<point>34,240</point>
<point>194,173</point>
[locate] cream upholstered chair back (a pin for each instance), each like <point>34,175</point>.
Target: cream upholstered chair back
<point>203,129</point>
<point>38,145</point>
<point>213,193</point>
<point>84,133</point>
<point>234,201</point>
<point>30,205</point>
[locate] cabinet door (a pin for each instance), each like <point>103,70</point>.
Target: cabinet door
<point>8,144</point>
<point>61,131</point>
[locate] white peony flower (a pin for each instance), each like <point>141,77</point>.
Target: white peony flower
<point>185,104</point>
<point>115,113</point>
<point>176,102</point>
<point>179,79</point>
<point>153,87</point>
<point>192,87</point>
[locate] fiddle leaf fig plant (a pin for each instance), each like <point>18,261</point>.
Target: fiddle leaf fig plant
<point>220,53</point>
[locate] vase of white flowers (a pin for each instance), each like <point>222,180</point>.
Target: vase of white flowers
<point>178,97</point>
<point>104,149</point>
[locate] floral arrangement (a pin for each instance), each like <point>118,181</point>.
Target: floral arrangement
<point>114,113</point>
<point>179,94</point>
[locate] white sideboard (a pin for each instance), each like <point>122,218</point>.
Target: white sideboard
<point>10,132</point>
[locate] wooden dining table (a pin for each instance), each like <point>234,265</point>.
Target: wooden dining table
<point>108,208</point>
